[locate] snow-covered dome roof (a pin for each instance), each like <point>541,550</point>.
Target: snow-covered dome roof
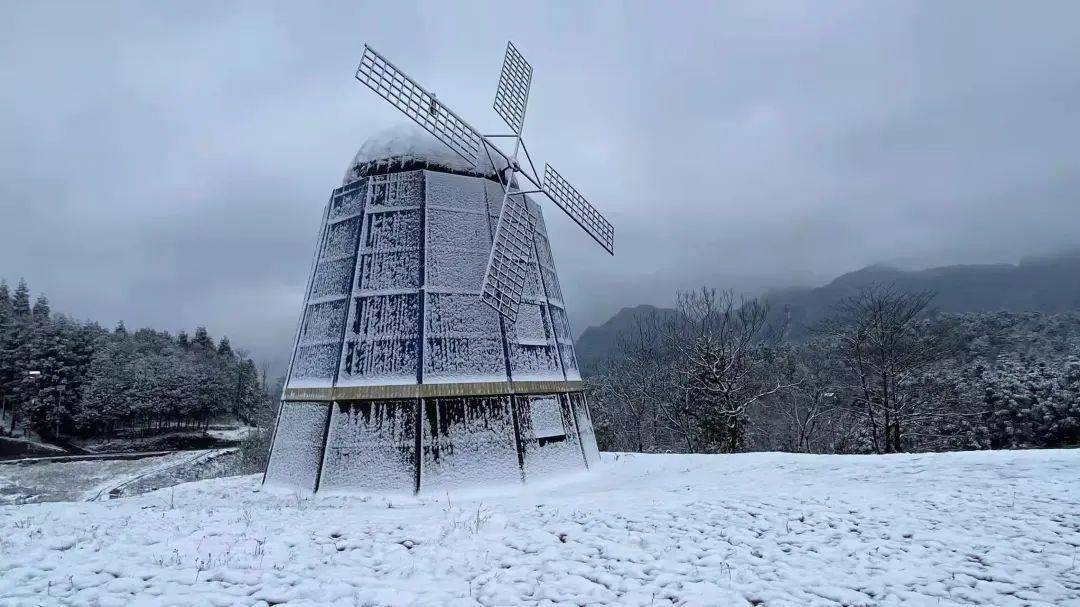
<point>408,146</point>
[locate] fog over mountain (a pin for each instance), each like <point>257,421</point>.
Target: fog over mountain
<point>1040,284</point>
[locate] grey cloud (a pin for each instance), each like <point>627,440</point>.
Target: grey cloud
<point>166,164</point>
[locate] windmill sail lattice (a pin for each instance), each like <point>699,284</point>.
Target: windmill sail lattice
<point>511,255</point>
<point>579,209</point>
<point>512,96</point>
<point>511,99</point>
<point>406,95</point>
<point>401,377</point>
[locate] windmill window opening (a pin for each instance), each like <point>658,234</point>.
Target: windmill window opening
<point>547,419</point>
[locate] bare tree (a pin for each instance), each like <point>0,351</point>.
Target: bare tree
<point>629,388</point>
<point>719,360</point>
<point>807,408</point>
<point>886,347</point>
<point>675,412</point>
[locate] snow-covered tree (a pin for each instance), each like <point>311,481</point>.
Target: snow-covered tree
<point>20,301</point>
<point>92,381</point>
<point>885,345</point>
<point>719,348</point>
<point>632,390</point>
<point>202,340</point>
<point>5,301</point>
<point>809,415</point>
<point>41,308</point>
<point>225,348</point>
<point>1032,403</point>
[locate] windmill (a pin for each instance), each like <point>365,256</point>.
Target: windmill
<point>399,378</point>
<point>511,254</point>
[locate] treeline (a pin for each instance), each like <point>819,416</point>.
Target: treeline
<point>882,374</point>
<point>59,376</point>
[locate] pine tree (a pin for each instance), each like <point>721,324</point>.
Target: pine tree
<point>38,353</point>
<point>92,381</point>
<point>202,339</point>
<point>213,387</point>
<point>6,359</point>
<point>5,301</point>
<point>253,404</point>
<point>20,303</point>
<point>17,385</point>
<point>41,308</point>
<point>106,404</point>
<point>225,348</point>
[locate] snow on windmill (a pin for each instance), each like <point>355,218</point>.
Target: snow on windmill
<point>434,348</point>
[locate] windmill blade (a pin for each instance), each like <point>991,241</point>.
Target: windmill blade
<point>513,93</point>
<point>414,101</point>
<point>574,204</point>
<point>510,258</point>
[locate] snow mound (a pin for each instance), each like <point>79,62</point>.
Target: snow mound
<point>404,143</point>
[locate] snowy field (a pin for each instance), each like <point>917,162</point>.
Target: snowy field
<point>759,529</point>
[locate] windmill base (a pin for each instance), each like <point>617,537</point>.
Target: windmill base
<point>325,441</point>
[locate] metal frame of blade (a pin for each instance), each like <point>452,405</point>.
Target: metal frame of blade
<point>511,256</point>
<point>512,95</point>
<point>417,103</point>
<point>512,246</point>
<point>574,204</point>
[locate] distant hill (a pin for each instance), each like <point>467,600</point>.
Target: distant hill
<point>1049,285</point>
<point>596,344</point>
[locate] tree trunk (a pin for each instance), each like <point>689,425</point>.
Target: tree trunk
<point>872,420</point>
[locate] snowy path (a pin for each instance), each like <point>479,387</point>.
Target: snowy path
<point>51,481</point>
<point>175,460</point>
<point>759,529</point>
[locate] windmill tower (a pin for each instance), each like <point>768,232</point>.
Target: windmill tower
<point>434,348</point>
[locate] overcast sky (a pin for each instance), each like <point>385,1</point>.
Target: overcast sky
<point>166,164</point>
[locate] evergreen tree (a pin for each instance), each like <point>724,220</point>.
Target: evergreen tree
<point>20,303</point>
<point>225,348</point>
<point>5,301</point>
<point>106,405</point>
<point>91,381</point>
<point>7,359</point>
<point>15,355</point>
<point>202,339</point>
<point>41,307</point>
<point>212,388</point>
<point>250,397</point>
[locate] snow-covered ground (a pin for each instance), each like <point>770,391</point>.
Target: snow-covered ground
<point>238,433</point>
<point>989,528</point>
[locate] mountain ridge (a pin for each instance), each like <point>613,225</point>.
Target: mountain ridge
<point>1047,284</point>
